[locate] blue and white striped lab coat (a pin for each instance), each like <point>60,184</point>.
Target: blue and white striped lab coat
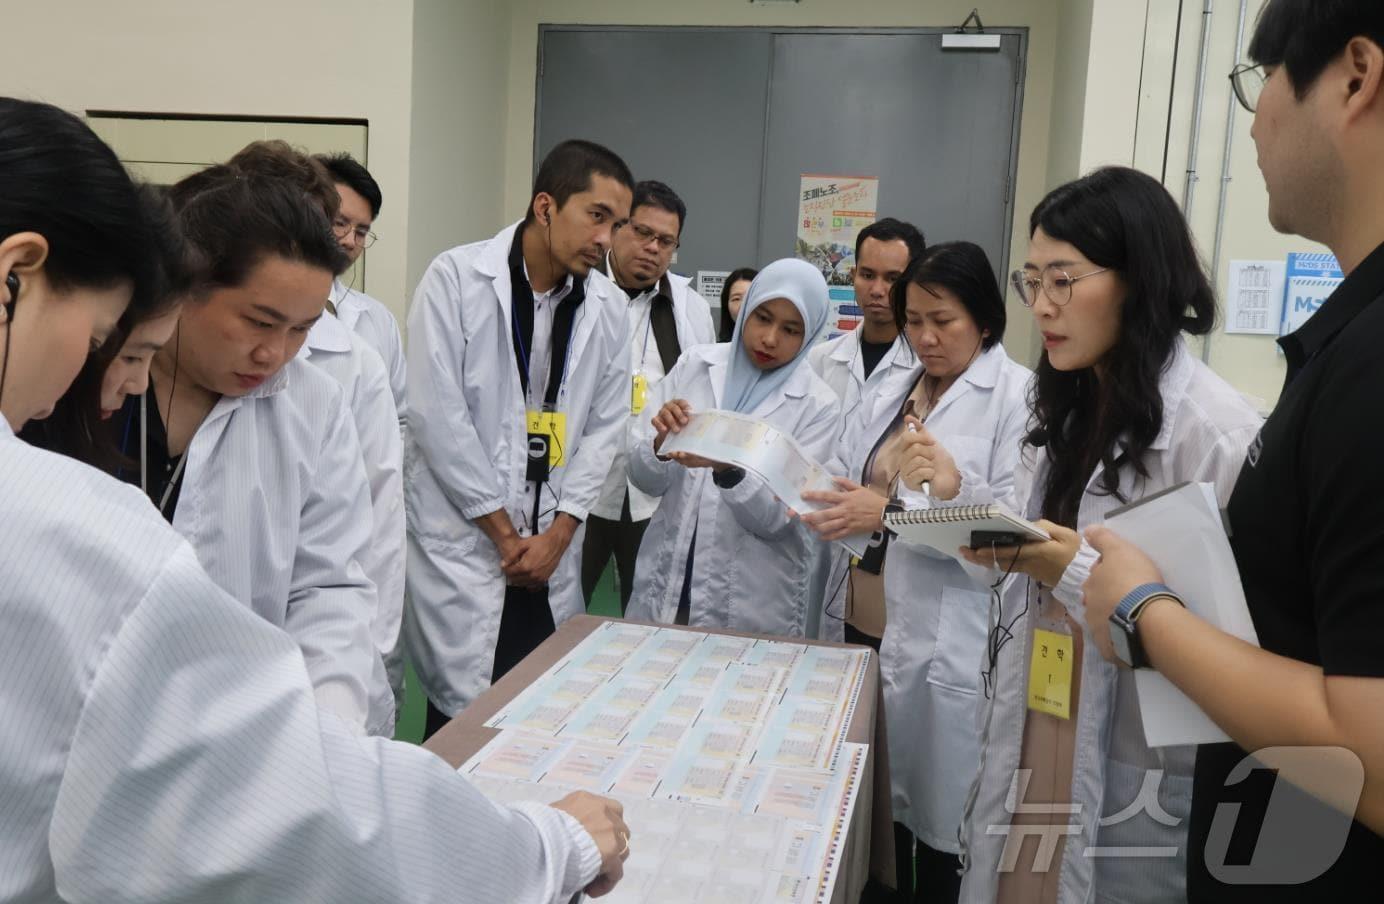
<point>161,742</point>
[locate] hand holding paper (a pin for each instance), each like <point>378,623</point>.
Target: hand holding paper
<point>1178,534</point>
<point>671,418</point>
<point>1121,568</point>
<point>688,460</point>
<point>758,447</point>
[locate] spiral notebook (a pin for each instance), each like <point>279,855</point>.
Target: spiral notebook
<point>947,528</point>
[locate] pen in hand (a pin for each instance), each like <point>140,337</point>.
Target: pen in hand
<point>927,484</point>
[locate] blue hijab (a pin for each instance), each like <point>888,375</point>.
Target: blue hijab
<point>803,285</point>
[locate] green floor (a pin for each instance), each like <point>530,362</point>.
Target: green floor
<point>605,601</point>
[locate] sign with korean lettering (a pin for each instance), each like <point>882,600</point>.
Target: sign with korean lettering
<point>831,212</point>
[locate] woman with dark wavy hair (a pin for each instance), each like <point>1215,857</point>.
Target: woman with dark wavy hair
<point>1120,410</point>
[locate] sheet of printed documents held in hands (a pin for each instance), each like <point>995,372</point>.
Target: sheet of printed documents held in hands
<point>728,753</point>
<point>754,445</point>
<point>1180,529</point>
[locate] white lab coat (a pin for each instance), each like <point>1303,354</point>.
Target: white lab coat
<point>752,562</point>
<point>1207,429</point>
<point>467,454</point>
<point>935,628</point>
<point>161,742</point>
<point>692,315</point>
<point>276,504</point>
<point>838,362</point>
<point>361,373</point>
<point>373,322</point>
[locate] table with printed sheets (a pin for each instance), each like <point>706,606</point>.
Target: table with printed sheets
<point>751,768</point>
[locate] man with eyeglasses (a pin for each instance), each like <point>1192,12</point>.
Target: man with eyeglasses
<point>1293,809</point>
<point>666,316</point>
<point>370,319</point>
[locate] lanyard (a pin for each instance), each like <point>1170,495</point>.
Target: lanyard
<point>648,327</point>
<point>144,458</point>
<point>555,389</point>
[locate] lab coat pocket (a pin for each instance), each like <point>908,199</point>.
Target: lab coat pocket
<point>961,629</point>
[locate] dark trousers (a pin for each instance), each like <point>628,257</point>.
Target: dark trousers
<point>605,538</point>
<point>526,621</point>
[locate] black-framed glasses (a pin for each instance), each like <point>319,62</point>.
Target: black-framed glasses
<point>645,235</point>
<point>1248,81</point>
<point>1055,283</point>
<point>342,227</point>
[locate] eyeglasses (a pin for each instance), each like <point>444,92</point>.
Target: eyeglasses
<point>1248,81</point>
<point>342,227</point>
<point>645,235</point>
<point>1055,282</point>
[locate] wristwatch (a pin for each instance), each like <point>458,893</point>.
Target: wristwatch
<point>1124,633</point>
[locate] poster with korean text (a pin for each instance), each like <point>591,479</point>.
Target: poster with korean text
<point>831,211</point>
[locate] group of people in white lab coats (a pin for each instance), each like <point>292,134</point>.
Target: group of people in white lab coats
<point>186,702</point>
<point>201,650</point>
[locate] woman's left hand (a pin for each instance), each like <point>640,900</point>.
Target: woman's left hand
<point>1044,561</point>
<point>688,460</point>
<point>854,509</point>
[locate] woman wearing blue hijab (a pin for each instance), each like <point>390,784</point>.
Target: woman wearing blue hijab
<point>722,551</point>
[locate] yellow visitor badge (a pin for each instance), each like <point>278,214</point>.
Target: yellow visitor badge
<point>553,425</point>
<point>639,393</point>
<point>1050,674</point>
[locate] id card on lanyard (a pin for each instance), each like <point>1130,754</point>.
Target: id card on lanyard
<point>547,437</point>
<point>1051,662</point>
<point>639,383</point>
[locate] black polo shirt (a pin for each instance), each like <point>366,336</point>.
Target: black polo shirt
<point>163,467</point>
<point>1307,527</point>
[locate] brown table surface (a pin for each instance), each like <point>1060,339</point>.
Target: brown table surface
<point>873,820</point>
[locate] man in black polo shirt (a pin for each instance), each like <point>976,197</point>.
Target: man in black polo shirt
<point>1307,514</point>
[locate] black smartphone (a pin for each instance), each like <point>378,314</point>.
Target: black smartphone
<point>984,539</point>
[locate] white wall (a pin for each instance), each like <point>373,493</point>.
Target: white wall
<point>1068,121</point>
<point>1040,16</point>
<point>1252,364</point>
<point>1140,60</point>
<point>343,58</point>
<point>460,68</point>
<point>448,87</point>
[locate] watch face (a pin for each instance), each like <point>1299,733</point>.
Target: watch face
<point>1120,641</point>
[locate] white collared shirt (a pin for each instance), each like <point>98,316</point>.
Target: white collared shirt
<point>840,363</point>
<point>362,376</point>
<point>276,503</point>
<point>692,316</point>
<point>540,361</point>
<point>373,322</point>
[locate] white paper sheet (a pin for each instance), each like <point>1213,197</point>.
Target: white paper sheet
<point>633,686</point>
<point>1181,532</point>
<point>768,452</point>
<point>1254,299</point>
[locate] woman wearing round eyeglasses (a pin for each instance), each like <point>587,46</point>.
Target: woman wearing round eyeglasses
<point>1121,410</point>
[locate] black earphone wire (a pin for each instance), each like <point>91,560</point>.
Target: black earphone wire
<point>11,283</point>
